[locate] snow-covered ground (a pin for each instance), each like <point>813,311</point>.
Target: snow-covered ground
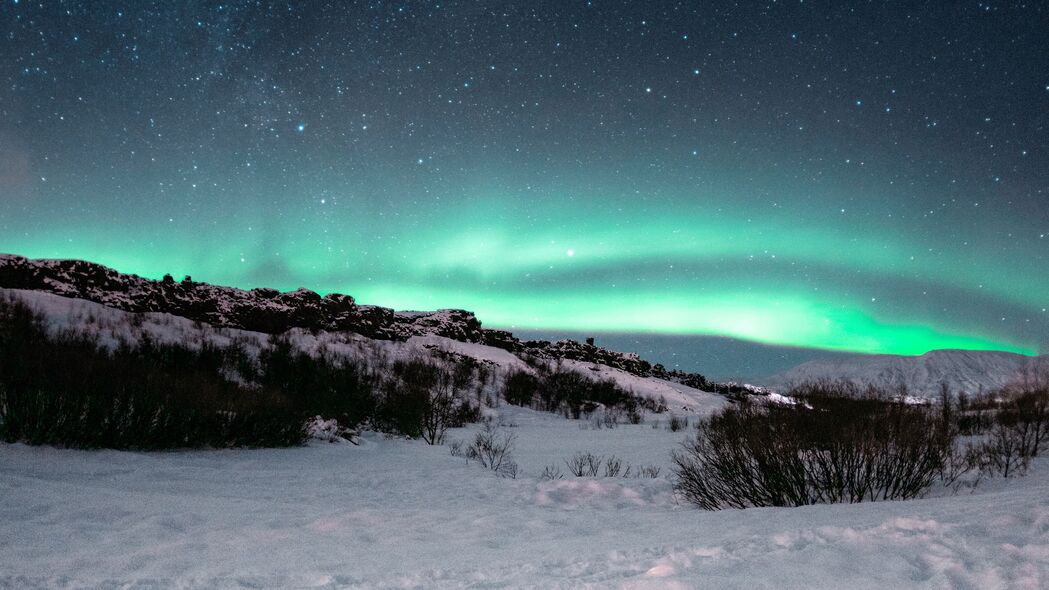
<point>397,513</point>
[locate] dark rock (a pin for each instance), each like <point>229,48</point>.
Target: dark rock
<point>270,311</point>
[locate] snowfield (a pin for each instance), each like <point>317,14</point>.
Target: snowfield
<point>392,513</point>
<point>395,513</point>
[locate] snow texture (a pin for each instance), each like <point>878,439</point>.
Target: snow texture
<point>393,513</point>
<point>401,514</point>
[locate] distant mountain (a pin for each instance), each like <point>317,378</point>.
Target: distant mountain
<point>273,312</point>
<point>968,371</point>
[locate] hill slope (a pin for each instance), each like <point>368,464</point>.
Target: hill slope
<point>270,311</point>
<point>969,371</point>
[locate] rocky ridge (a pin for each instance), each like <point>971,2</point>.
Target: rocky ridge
<point>271,311</point>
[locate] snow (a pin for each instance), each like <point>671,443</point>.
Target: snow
<point>969,371</point>
<point>401,514</point>
<point>387,512</point>
<point>480,352</point>
<point>681,399</point>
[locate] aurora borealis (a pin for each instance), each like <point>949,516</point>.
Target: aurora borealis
<point>845,176</point>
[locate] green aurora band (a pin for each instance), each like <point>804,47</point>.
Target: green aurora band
<point>620,268</point>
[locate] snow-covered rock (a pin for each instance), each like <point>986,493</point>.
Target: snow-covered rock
<point>271,312</point>
<point>112,327</point>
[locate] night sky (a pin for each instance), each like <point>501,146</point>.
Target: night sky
<point>849,176</point>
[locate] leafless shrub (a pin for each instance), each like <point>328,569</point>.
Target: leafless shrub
<point>551,472</point>
<point>553,388</point>
<point>830,449</point>
<point>1027,414</point>
<point>584,464</point>
<point>1015,427</point>
<point>1005,452</point>
<point>494,451</point>
<point>647,471</point>
<point>959,463</point>
<point>613,465</point>
<point>421,397</point>
<point>508,470</point>
<point>440,410</point>
<point>677,423</point>
<point>456,448</point>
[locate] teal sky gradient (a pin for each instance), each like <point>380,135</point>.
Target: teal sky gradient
<point>852,178</point>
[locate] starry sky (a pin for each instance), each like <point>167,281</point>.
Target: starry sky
<point>847,176</point>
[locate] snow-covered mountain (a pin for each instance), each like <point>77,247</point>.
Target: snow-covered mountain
<point>969,371</point>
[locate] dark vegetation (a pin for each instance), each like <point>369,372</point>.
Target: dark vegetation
<point>591,465</point>
<point>574,395</point>
<point>491,449</point>
<point>422,398</point>
<point>64,388</point>
<point>840,444</point>
<point>1010,428</point>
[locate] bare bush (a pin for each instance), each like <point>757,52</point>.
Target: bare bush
<point>494,451</point>
<point>572,394</point>
<point>677,423</point>
<point>1026,414</point>
<point>1014,426</point>
<point>647,471</point>
<point>439,412</point>
<point>551,472</point>
<point>423,398</point>
<point>1005,451</point>
<point>584,464</point>
<point>456,448</point>
<point>829,449</point>
<point>613,465</point>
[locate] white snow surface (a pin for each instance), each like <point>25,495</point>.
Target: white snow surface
<point>680,398</point>
<point>395,513</point>
<point>392,513</point>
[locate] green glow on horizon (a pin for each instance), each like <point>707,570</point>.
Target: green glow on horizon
<point>764,318</point>
<point>520,168</point>
<point>618,269</point>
